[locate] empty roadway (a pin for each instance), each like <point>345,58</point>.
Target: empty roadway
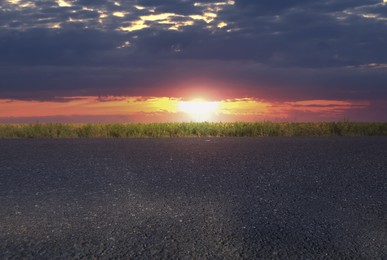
<point>194,198</point>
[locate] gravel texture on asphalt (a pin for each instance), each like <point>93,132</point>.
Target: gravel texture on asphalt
<point>194,198</point>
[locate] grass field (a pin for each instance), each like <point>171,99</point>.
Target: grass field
<point>191,130</point>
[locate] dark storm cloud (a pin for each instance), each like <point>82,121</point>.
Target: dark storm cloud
<point>268,7</point>
<point>295,48</point>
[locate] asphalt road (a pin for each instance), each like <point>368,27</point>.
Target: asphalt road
<point>223,198</point>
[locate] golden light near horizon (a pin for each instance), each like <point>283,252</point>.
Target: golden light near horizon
<point>199,109</point>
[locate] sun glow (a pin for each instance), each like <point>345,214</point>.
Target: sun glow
<point>171,109</point>
<point>198,109</point>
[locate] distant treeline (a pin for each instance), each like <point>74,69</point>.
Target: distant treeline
<point>192,129</point>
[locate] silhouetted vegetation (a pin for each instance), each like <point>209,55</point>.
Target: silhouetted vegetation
<point>192,129</point>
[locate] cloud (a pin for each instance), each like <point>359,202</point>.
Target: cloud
<point>85,109</point>
<point>278,50</point>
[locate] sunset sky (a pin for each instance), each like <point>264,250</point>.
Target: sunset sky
<point>84,61</point>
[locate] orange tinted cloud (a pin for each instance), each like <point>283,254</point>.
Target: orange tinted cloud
<point>87,106</point>
<point>322,108</point>
<point>149,109</point>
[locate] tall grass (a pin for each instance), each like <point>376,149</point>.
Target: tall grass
<point>191,130</point>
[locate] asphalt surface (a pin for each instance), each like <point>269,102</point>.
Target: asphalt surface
<point>220,198</point>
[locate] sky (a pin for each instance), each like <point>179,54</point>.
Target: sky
<point>84,61</point>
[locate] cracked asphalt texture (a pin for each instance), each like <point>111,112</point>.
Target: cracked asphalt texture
<point>194,198</point>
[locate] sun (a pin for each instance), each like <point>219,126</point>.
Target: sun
<point>199,109</point>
